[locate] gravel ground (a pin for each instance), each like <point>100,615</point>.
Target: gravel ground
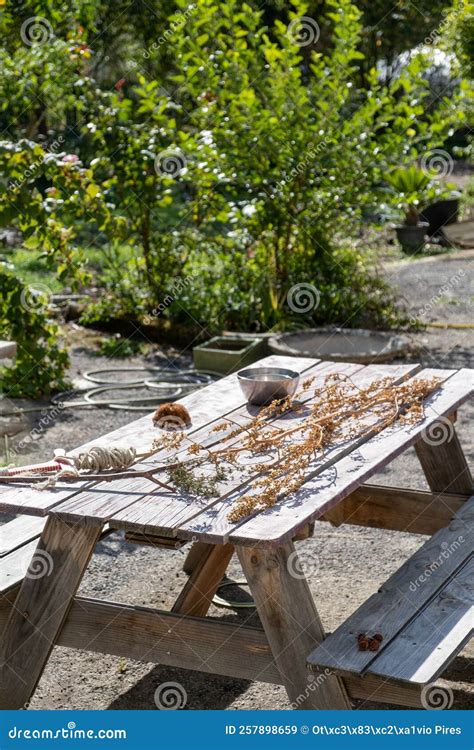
<point>345,565</point>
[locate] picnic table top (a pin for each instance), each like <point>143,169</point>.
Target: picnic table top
<point>138,505</point>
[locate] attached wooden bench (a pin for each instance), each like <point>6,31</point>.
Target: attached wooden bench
<point>424,613</point>
<point>18,540</point>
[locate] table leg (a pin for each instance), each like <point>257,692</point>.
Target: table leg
<point>193,557</point>
<point>208,571</point>
<point>292,625</point>
<point>444,464</point>
<point>41,607</point>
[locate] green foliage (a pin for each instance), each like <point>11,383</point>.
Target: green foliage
<point>47,194</point>
<point>414,187</point>
<point>229,165</point>
<point>118,347</point>
<point>460,35</point>
<point>41,362</point>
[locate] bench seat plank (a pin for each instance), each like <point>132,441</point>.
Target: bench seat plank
<point>13,567</point>
<point>412,589</point>
<point>18,532</point>
<point>422,650</point>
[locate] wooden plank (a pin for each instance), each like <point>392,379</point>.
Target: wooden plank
<point>423,649</point>
<point>401,598</point>
<point>41,607</point>
<point>204,405</point>
<point>154,636</point>
<point>444,464</point>
<point>326,490</point>
<point>395,508</point>
<point>201,586</point>
<point>145,540</point>
<point>103,503</point>
<point>13,567</point>
<point>18,532</point>
<point>291,623</point>
<point>192,558</point>
<point>212,523</point>
<point>374,690</point>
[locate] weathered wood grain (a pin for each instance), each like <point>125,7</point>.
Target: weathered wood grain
<point>13,567</point>
<point>444,464</point>
<point>170,511</point>
<point>201,644</point>
<point>396,508</point>
<point>41,606</point>
<point>425,647</point>
<point>201,586</point>
<point>192,558</point>
<point>18,532</point>
<point>156,636</point>
<point>407,592</point>
<point>291,623</point>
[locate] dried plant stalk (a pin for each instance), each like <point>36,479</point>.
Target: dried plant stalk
<point>337,412</point>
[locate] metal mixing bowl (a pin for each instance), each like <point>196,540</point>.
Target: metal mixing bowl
<point>261,385</point>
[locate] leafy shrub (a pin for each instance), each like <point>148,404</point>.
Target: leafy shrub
<point>41,362</point>
<point>249,179</point>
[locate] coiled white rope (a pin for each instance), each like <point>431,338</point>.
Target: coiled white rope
<point>99,458</point>
<point>95,460</point>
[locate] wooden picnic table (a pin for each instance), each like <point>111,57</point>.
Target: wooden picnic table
<point>43,610</point>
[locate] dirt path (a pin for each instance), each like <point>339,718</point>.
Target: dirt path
<point>344,565</point>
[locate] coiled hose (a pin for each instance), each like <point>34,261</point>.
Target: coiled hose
<point>167,384</point>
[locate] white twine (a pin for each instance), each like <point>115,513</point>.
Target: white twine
<point>95,460</point>
<point>98,459</point>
